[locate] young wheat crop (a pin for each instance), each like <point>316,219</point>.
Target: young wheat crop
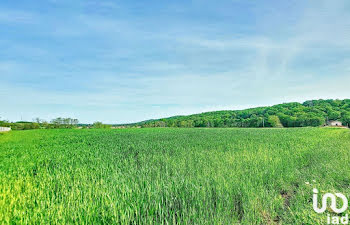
<point>170,176</point>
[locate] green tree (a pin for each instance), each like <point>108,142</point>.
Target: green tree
<point>274,121</point>
<point>100,125</point>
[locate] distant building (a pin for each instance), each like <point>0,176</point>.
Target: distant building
<point>335,123</point>
<point>5,129</point>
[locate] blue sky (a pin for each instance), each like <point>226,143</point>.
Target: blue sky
<point>127,61</point>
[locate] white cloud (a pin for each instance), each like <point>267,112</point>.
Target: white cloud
<point>123,69</point>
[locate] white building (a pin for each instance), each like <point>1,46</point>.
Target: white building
<point>335,123</point>
<point>5,129</point>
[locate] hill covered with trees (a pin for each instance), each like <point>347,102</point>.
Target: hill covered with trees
<point>310,113</point>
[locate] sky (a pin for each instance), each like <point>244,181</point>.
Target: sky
<point>128,61</point>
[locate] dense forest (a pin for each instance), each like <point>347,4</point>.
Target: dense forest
<point>310,113</point>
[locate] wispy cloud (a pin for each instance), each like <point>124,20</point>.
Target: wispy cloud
<point>123,62</point>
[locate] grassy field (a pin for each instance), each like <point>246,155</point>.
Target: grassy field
<point>168,176</point>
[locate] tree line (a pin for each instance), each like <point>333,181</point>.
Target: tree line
<point>57,123</point>
<point>310,113</point>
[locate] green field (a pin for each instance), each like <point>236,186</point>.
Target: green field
<point>169,176</point>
